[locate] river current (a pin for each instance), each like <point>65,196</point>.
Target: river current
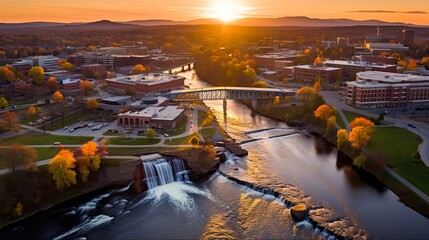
<point>302,167</point>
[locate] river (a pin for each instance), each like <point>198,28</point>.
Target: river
<point>303,168</point>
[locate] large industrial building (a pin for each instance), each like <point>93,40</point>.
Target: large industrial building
<point>374,89</point>
<point>145,84</point>
<point>310,73</point>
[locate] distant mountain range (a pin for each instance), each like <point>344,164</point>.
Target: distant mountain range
<point>257,22</point>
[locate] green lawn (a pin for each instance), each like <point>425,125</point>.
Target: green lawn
<point>180,141</point>
<point>124,151</point>
<point>352,115</point>
<point>35,138</point>
<point>134,141</point>
<point>202,115</point>
<point>400,146</point>
<point>208,132</point>
<point>340,121</point>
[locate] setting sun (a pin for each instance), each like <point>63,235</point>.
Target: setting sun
<point>225,10</point>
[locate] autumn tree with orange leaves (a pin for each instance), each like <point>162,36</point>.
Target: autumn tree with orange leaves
<point>138,69</point>
<point>92,104</point>
<point>61,167</point>
<point>19,155</point>
<point>360,135</point>
<point>52,84</point>
<point>89,160</point>
<point>57,97</point>
<point>31,110</point>
<point>8,121</point>
<point>324,112</point>
<point>86,87</point>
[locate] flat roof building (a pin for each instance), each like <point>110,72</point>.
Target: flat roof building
<point>309,73</point>
<point>350,68</point>
<point>152,117</point>
<point>144,84</point>
<point>373,89</point>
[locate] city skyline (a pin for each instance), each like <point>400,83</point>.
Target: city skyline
<point>226,10</point>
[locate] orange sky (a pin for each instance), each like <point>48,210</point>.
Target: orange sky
<point>92,10</point>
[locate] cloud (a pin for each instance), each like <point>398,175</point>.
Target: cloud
<point>387,11</point>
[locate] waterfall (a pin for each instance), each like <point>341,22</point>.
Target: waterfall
<point>179,170</point>
<point>165,173</point>
<point>151,178</point>
<point>161,172</point>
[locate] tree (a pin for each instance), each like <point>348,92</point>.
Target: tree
<point>305,94</point>
<point>61,62</point>
<point>360,161</point>
<point>6,74</point>
<point>276,100</point>
<point>359,137</point>
<point>363,122</point>
<point>92,104</point>
<point>138,69</point>
<point>130,92</point>
<point>3,103</point>
<point>52,84</point>
<point>57,97</point>
<point>90,160</point>
<point>150,133</point>
<point>17,210</point>
<point>61,167</point>
<point>318,60</point>
<point>31,110</point>
<point>324,112</point>
<point>412,65</point>
<point>67,66</point>
<point>9,120</point>
<point>317,86</point>
<point>342,138</point>
<point>86,87</point>
<point>259,84</point>
<point>194,141</point>
<point>307,51</point>
<point>250,73</point>
<point>37,75</point>
<point>19,155</point>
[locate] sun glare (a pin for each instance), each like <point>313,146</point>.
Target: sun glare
<point>225,10</point>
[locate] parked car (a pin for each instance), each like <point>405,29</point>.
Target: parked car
<point>105,124</point>
<point>57,143</point>
<point>72,130</point>
<point>90,125</point>
<point>65,128</point>
<point>411,125</point>
<point>166,135</point>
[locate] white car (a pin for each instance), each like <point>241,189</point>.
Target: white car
<point>90,125</point>
<point>65,128</point>
<point>166,135</point>
<point>57,143</point>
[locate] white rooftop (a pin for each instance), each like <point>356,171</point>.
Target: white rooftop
<point>316,67</point>
<point>354,63</point>
<point>384,77</point>
<point>146,78</point>
<point>157,113</point>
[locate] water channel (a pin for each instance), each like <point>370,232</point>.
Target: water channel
<point>302,167</point>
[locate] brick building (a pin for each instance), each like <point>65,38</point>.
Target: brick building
<point>146,83</point>
<point>152,117</point>
<point>350,68</point>
<point>309,73</point>
<point>374,89</point>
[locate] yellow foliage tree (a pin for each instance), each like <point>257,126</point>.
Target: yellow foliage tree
<point>318,60</point>
<point>92,104</point>
<point>52,84</point>
<point>61,167</point>
<point>31,110</point>
<point>305,94</point>
<point>138,69</point>
<point>90,160</point>
<point>317,87</point>
<point>8,121</point>
<point>17,210</point>
<point>86,87</point>
<point>307,51</point>
<point>342,138</point>
<point>363,122</point>
<point>57,97</point>
<point>3,102</point>
<point>259,84</point>
<point>150,133</point>
<point>324,112</point>
<point>412,65</point>
<point>37,74</point>
<point>276,100</point>
<point>6,74</point>
<point>359,137</point>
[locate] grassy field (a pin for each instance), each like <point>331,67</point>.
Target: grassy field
<point>134,141</point>
<point>136,151</point>
<point>399,146</point>
<point>208,132</point>
<point>202,115</point>
<point>352,115</point>
<point>35,138</point>
<point>180,141</point>
<point>340,121</point>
